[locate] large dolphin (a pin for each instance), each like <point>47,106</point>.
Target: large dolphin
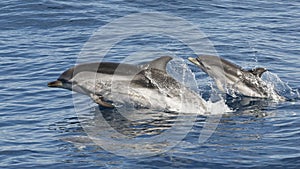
<point>232,79</point>
<point>146,86</point>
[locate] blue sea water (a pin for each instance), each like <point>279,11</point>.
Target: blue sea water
<point>41,39</point>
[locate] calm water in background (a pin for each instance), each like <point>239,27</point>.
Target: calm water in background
<point>39,40</point>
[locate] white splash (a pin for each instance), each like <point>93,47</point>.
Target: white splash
<point>276,84</point>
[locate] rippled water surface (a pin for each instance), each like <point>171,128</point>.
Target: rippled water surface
<point>40,127</point>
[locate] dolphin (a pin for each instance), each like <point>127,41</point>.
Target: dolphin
<point>233,79</point>
<point>147,86</point>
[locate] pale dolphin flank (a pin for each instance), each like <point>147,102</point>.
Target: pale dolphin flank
<point>233,79</point>
<point>146,86</point>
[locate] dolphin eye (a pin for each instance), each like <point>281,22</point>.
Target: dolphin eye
<point>201,63</point>
<point>204,65</point>
<point>62,80</point>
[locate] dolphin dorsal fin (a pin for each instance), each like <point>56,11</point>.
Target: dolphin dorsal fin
<point>159,63</point>
<point>258,71</point>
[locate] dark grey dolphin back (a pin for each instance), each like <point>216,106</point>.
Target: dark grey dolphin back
<point>103,67</point>
<point>114,68</point>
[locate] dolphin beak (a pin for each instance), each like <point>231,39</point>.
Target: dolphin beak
<point>56,83</point>
<point>194,60</point>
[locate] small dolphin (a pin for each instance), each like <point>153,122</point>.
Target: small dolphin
<point>146,86</point>
<point>231,78</point>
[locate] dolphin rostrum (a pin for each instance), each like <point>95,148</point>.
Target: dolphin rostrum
<point>144,86</point>
<point>232,79</point>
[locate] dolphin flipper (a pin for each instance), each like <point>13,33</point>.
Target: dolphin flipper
<point>98,99</point>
